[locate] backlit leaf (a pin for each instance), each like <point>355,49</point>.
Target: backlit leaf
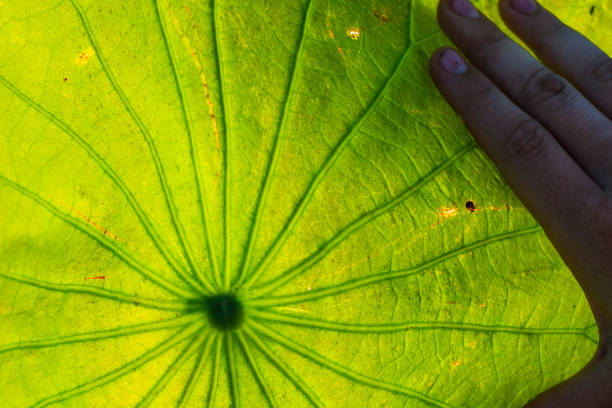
<point>171,168</point>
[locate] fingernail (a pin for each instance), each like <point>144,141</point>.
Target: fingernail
<point>451,62</point>
<point>524,6</point>
<point>465,8</point>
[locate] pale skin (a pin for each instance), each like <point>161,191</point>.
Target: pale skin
<point>548,127</point>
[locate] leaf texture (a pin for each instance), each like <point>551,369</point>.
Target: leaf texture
<point>167,166</point>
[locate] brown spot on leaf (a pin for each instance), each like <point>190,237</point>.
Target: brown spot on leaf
<point>85,56</point>
<point>382,16</point>
<point>329,30</point>
<point>455,364</point>
<point>88,219</point>
<point>445,213</point>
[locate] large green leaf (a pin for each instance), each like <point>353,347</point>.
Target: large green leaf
<point>161,159</point>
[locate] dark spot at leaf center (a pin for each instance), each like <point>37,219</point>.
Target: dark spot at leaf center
<point>224,312</point>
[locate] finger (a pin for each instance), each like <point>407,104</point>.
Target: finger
<point>564,50</point>
<point>584,131</point>
<point>559,194</point>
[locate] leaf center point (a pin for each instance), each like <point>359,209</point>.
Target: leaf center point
<point>224,311</point>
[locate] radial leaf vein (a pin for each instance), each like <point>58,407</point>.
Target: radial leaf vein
<point>195,158</point>
<point>385,276</point>
<point>232,370</point>
<point>159,243</point>
<point>283,367</point>
<point>173,368</point>
<point>159,168</point>
<point>344,371</point>
<point>226,121</point>
<point>183,320</point>
<point>100,292</point>
<point>413,325</point>
<point>359,223</point>
<point>215,373</point>
<point>196,372</point>
<point>263,193</point>
<point>106,243</point>
<point>121,371</point>
<point>322,172</point>
<point>255,368</point>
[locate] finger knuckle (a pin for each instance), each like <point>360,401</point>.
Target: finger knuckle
<point>526,140</point>
<point>546,88</point>
<point>600,69</point>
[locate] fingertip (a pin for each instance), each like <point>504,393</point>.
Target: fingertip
<point>449,61</point>
<point>434,62</point>
<point>435,56</point>
<point>507,13</point>
<point>518,12</point>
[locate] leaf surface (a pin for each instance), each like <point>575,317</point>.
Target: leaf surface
<point>169,169</point>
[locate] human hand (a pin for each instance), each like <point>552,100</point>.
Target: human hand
<point>548,128</point>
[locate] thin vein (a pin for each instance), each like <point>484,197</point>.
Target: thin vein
<point>344,371</point>
<point>215,374</point>
<point>413,325</point>
<point>384,276</point>
<point>411,21</point>
<point>323,171</point>
<point>183,320</point>
<point>159,168</point>
<point>195,159</point>
<point>232,373</point>
<point>106,243</point>
<point>594,339</point>
<point>427,37</point>
<point>283,367</point>
<point>173,368</point>
<point>196,373</point>
<point>358,223</point>
<point>119,372</point>
<point>174,306</point>
<point>224,109</point>
<point>263,193</point>
<point>159,243</point>
<point>255,368</point>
